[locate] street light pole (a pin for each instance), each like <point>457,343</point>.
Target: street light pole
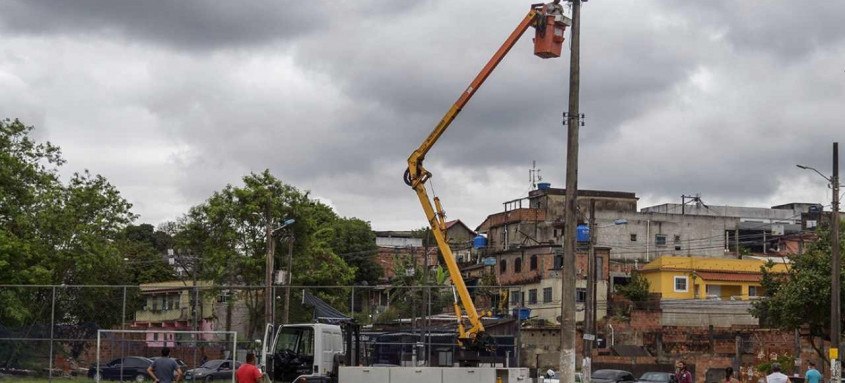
<point>268,279</point>
<point>835,269</point>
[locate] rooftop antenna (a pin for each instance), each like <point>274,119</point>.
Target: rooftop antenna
<point>534,175</point>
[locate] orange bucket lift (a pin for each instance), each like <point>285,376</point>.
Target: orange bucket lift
<point>548,37</point>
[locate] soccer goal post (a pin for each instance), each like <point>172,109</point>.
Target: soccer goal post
<point>135,347</point>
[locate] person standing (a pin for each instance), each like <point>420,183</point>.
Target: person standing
<point>729,375</point>
<point>247,372</point>
<point>776,376</point>
<point>682,375</point>
<point>812,375</point>
<point>164,369</point>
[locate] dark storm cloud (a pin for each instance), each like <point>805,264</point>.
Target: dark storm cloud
<point>188,24</point>
<point>786,30</point>
<point>720,98</point>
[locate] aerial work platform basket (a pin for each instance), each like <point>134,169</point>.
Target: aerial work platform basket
<point>548,37</point>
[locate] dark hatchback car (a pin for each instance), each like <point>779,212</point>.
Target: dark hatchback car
<point>132,368</point>
<point>612,376</point>
<point>656,377</point>
<point>216,369</point>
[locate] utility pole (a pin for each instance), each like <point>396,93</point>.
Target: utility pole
<point>567,301</point>
<point>268,278</point>
<point>836,269</point>
<point>589,305</point>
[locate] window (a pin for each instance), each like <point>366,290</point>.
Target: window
<point>580,295</point>
<point>517,265</point>
<point>752,291</point>
<point>660,239</point>
<point>515,294</point>
<point>300,340</point>
<point>503,266</point>
<point>547,294</point>
<point>532,296</point>
<point>533,262</point>
<point>681,284</point>
<point>677,238</point>
<point>633,238</point>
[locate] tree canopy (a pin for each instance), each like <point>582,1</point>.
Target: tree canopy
<point>801,298</point>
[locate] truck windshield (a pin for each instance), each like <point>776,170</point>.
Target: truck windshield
<point>299,340</point>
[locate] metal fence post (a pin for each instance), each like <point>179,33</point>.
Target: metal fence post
<point>123,327</point>
<point>52,328</point>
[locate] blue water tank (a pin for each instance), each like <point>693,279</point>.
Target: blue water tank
<point>544,186</point>
<point>583,233</point>
<point>479,242</point>
<point>522,313</point>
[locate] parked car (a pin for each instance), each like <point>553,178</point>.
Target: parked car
<point>128,368</point>
<point>611,376</point>
<point>656,377</point>
<point>215,369</point>
<point>554,377</point>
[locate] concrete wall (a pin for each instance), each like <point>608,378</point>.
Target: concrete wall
<point>398,242</point>
<point>760,214</point>
<point>704,312</point>
<point>684,234</point>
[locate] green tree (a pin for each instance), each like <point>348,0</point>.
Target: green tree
<point>143,249</point>
<point>227,234</point>
<point>355,242</point>
<point>636,290</point>
<point>801,297</point>
<point>55,233</point>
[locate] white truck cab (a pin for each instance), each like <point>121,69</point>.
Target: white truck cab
<point>302,351</point>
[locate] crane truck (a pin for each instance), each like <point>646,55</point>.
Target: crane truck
<point>320,352</point>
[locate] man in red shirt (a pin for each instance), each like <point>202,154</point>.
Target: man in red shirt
<point>247,372</point>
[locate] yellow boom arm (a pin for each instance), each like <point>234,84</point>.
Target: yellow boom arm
<point>417,175</point>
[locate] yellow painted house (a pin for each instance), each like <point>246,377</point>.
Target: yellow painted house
<point>679,277</point>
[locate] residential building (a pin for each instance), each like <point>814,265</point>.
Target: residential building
<point>459,236</point>
<point>533,275</point>
<point>756,229</point>
<point>667,229</point>
<point>708,277</point>
<point>168,306</point>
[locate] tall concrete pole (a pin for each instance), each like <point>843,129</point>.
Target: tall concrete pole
<point>268,278</point>
<point>835,313</point>
<point>567,301</point>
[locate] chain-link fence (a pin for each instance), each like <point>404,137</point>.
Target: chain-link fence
<point>51,331</point>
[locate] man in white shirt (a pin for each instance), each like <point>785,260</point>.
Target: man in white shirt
<point>776,376</point>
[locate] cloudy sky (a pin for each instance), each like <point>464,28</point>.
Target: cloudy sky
<point>172,100</point>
